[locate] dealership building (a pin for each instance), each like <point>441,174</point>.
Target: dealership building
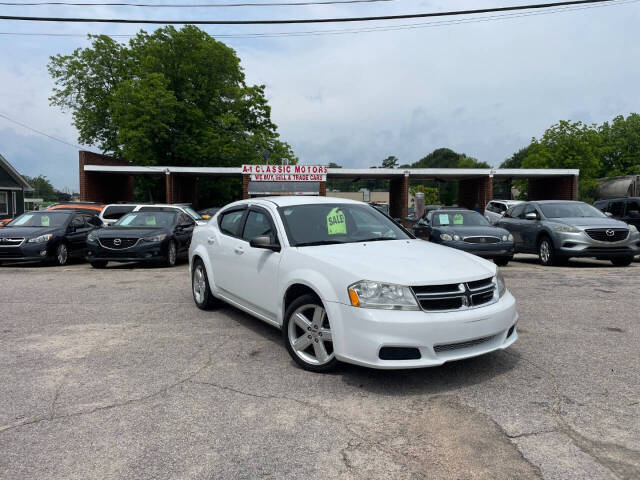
<point>107,180</point>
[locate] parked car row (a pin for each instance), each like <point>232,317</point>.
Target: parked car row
<point>140,233</point>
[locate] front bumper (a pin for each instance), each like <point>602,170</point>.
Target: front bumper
<point>484,250</point>
<point>141,252</point>
<point>582,245</point>
<point>26,251</point>
<point>360,333</point>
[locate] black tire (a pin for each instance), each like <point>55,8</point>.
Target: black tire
<point>203,297</point>
<point>99,264</point>
<point>309,302</point>
<point>62,255</point>
<point>547,252</point>
<point>502,261</point>
<point>622,261</point>
<point>172,257</point>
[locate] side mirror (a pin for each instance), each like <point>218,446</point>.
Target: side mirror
<point>608,214</point>
<point>531,216</point>
<point>264,242</point>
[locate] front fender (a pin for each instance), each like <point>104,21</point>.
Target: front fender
<point>198,249</point>
<point>317,282</point>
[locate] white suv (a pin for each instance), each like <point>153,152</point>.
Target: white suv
<point>345,283</point>
<point>495,209</point>
<point>112,213</point>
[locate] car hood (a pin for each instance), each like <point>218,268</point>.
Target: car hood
<point>590,222</point>
<point>26,232</point>
<point>481,230</point>
<point>405,262</point>
<point>128,232</point>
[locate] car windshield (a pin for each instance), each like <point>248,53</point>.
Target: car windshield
<point>41,219</point>
<point>466,219</point>
<point>570,210</point>
<point>329,223</point>
<point>192,213</point>
<point>146,219</point>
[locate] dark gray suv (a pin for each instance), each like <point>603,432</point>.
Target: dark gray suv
<point>557,230</point>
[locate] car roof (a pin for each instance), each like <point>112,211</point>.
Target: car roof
<point>454,210</point>
<point>508,202</point>
<point>285,201</point>
<point>546,202</point>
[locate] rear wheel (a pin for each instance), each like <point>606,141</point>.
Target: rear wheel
<point>172,254</point>
<point>62,254</point>
<point>200,287</point>
<point>307,335</point>
<point>622,261</point>
<point>502,262</point>
<point>99,264</point>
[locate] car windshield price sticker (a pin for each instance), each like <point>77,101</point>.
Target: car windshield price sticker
<point>44,221</point>
<point>458,219</point>
<point>150,221</point>
<point>336,223</point>
<point>444,219</point>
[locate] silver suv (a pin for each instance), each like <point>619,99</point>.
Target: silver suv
<point>558,230</point>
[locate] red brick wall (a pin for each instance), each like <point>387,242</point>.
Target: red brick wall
<point>555,188</point>
<point>245,186</point>
<point>399,197</point>
<point>103,187</point>
<point>323,189</point>
<point>475,192</point>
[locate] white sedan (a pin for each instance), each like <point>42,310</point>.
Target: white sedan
<point>345,283</point>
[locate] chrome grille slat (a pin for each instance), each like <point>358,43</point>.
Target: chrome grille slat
<point>461,345</point>
<point>482,239</point>
<point>442,298</point>
<point>125,243</point>
<point>11,241</point>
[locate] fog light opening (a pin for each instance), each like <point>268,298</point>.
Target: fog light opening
<point>399,353</point>
<point>511,330</point>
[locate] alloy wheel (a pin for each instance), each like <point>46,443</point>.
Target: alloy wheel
<point>199,284</point>
<point>545,251</point>
<point>62,254</point>
<point>172,254</point>
<point>309,335</point>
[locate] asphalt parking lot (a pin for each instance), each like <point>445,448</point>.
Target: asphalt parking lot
<point>116,374</point>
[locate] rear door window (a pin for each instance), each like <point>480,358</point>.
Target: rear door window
<point>616,208</point>
<point>529,208</point>
<point>633,208</point>
<point>514,212</point>
<point>231,222</point>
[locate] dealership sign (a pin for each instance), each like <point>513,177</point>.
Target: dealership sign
<point>286,173</point>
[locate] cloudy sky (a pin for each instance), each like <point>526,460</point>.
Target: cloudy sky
<point>483,88</point>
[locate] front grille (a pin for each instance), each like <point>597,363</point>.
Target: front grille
<point>482,239</point>
<point>11,241</point>
<point>608,234</point>
<point>113,244</point>
<point>461,345</point>
<point>455,296</point>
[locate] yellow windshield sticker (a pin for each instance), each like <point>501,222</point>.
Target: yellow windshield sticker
<point>336,222</point>
<point>44,221</point>
<point>150,220</point>
<point>458,219</point>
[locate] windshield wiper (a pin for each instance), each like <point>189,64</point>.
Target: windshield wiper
<point>377,239</point>
<point>319,242</point>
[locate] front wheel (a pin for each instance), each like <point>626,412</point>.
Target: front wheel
<point>622,261</point>
<point>547,252</point>
<point>502,262</point>
<point>62,254</point>
<point>307,335</point>
<point>172,254</point>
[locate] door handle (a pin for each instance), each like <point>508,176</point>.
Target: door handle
<point>211,240</point>
<point>239,250</point>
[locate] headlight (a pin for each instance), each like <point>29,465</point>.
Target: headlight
<point>41,239</point>
<point>505,238</point>
<point>446,237</point>
<point>510,238</point>
<point>155,238</point>
<point>502,287</point>
<point>387,296</point>
<point>456,237</point>
<point>566,229</point>
<point>633,228</point>
<point>91,237</point>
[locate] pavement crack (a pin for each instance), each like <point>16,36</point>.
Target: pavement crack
<point>100,408</point>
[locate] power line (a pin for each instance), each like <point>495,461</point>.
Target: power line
<point>387,28</point>
<point>307,20</point>
<point>41,133</point>
<point>193,5</point>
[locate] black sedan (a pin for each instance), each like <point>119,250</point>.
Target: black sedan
<point>466,230</point>
<point>53,236</point>
<point>144,236</point>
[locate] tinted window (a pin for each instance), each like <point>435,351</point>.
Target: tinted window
<point>231,222</point>
<point>633,208</point>
<point>500,207</point>
<point>147,219</point>
<point>114,212</point>
<point>257,225</point>
<point>77,222</point>
<point>616,208</point>
<point>529,208</point>
<point>602,206</point>
<point>92,220</point>
<point>162,209</point>
<point>514,212</point>
<point>186,220</point>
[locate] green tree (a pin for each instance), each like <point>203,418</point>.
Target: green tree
<point>620,152</point>
<point>171,97</point>
<point>42,188</point>
<point>430,194</point>
<point>390,162</point>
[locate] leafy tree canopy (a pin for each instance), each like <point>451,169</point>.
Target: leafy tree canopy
<point>171,97</point>
<point>42,188</point>
<point>447,158</point>
<point>390,162</point>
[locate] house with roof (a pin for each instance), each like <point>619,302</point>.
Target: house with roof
<point>12,188</point>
